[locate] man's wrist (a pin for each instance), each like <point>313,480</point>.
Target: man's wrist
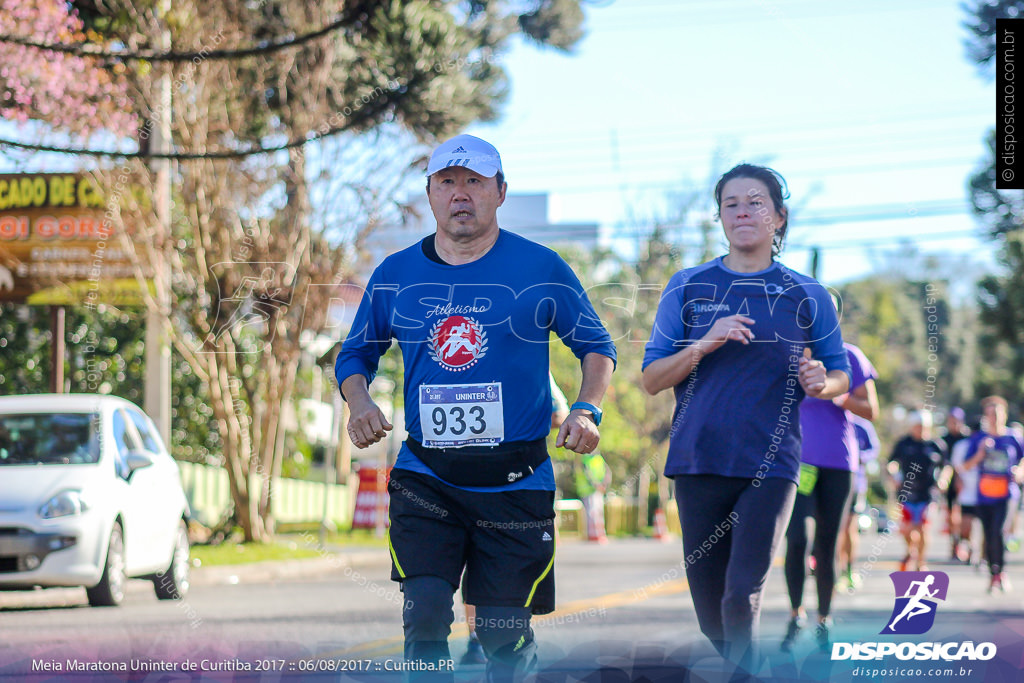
<point>593,410</point>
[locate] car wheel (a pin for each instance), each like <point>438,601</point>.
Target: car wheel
<point>109,592</point>
<point>172,583</point>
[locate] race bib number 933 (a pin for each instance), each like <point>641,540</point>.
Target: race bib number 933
<point>456,415</point>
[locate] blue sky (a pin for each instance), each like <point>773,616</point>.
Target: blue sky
<point>868,109</point>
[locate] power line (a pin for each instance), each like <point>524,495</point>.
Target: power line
<point>655,131</point>
<point>895,240</point>
<point>261,48</point>
<point>793,171</point>
<point>837,215</point>
<point>178,156</point>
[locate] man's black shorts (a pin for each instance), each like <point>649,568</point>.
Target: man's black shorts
<point>505,540</point>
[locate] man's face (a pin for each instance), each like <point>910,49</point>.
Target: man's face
<point>464,203</point>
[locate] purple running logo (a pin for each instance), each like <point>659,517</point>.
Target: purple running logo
<point>916,596</point>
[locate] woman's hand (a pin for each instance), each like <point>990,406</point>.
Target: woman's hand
<point>732,327</point>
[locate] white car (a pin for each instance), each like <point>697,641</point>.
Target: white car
<point>89,496</point>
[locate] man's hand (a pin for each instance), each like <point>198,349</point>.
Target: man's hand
<point>367,424</point>
<point>812,375</point>
<point>578,433</point>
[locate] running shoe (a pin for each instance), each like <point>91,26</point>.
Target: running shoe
<point>793,628</point>
<point>474,654</point>
<point>849,582</point>
<point>904,563</point>
<point>822,634</point>
<point>995,584</point>
<point>963,553</point>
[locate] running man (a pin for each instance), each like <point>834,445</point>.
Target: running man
<point>849,538</point>
<point>915,605</point>
<point>473,487</point>
<point>956,431</point>
<point>914,465</point>
<point>474,654</point>
<point>967,495</point>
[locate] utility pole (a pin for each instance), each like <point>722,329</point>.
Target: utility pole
<point>57,350</point>
<point>158,350</point>
<point>815,261</point>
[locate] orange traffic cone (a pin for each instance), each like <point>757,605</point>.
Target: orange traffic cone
<point>661,526</point>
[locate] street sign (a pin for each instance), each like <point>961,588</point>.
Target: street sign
<point>57,246</point>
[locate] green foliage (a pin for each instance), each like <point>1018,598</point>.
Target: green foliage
<point>1002,315</point>
<point>981,27</point>
<point>634,433</point>
<point>251,249</point>
<point>1001,295</point>
<point>917,338</point>
<point>558,23</point>
<point>104,354</point>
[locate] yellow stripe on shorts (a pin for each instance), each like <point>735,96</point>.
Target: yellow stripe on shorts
<point>547,570</point>
<point>394,557</point>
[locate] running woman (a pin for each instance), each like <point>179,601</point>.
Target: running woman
<point>995,453</point>
<point>740,340</point>
<point>830,456</point>
<point>473,308</point>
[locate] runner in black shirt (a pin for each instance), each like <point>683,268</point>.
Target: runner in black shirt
<point>915,464</point>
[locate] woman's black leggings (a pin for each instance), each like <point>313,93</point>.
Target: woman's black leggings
<point>827,503</point>
<point>993,517</point>
<point>731,528</point>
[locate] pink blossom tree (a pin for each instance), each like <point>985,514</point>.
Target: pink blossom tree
<point>70,93</point>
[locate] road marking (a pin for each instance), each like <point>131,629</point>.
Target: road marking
<point>394,646</point>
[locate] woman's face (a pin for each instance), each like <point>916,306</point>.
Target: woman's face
<point>995,415</point>
<point>748,216</point>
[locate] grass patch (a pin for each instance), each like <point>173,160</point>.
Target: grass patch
<point>367,537</point>
<point>247,553</point>
<point>294,545</point>
<point>309,534</point>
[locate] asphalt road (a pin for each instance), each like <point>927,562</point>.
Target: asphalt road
<point>624,614</point>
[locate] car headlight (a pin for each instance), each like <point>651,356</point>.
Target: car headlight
<point>65,503</point>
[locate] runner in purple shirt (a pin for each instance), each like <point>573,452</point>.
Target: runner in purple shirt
<point>828,462</point>
<point>995,453</point>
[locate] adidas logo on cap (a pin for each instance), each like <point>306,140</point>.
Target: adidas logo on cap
<point>469,152</point>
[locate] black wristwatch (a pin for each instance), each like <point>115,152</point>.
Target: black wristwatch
<point>594,410</point>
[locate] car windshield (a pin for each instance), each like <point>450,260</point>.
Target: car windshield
<point>49,439</point>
